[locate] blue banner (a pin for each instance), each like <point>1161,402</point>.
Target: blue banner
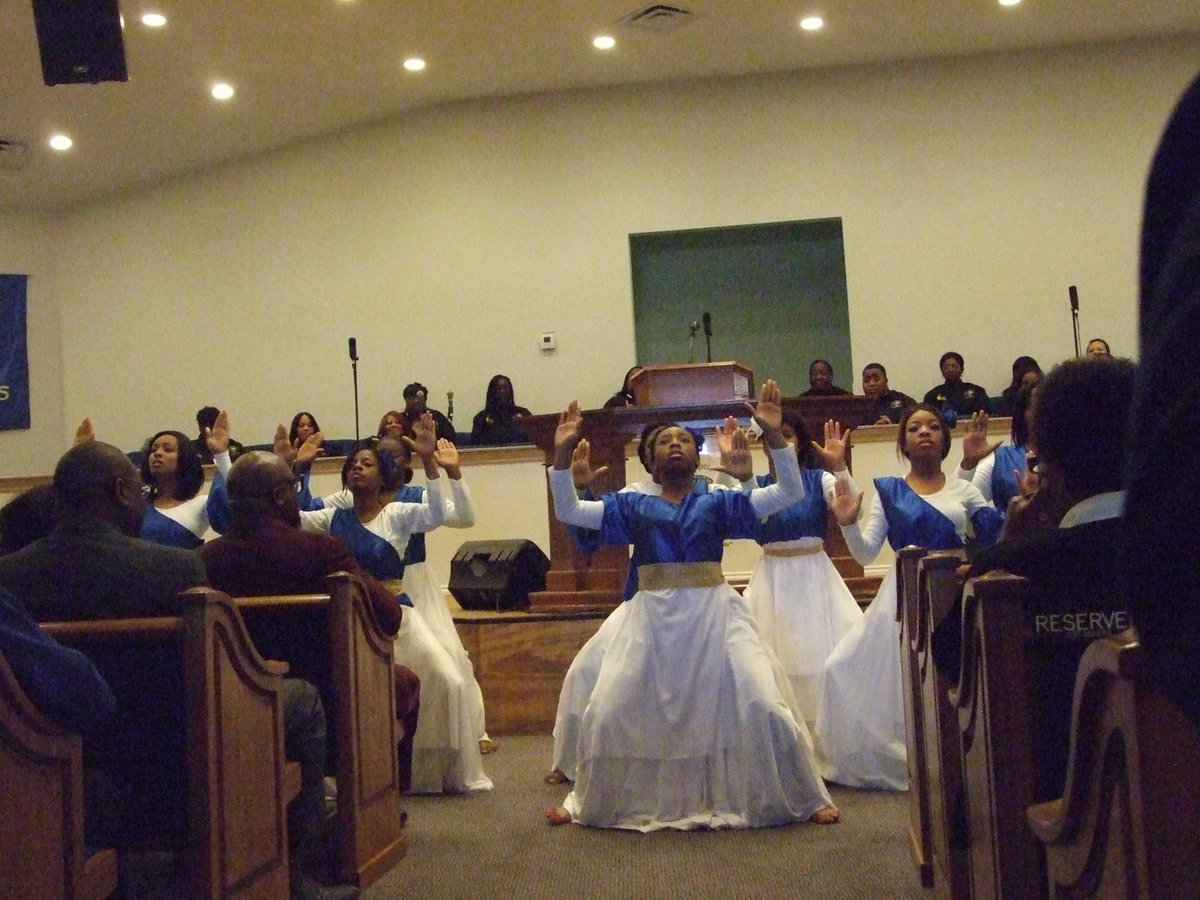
<point>14,356</point>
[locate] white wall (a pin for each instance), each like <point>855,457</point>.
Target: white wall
<point>972,191</point>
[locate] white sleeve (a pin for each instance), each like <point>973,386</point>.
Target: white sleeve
<point>866,540</point>
<point>567,505</point>
<point>829,483</point>
<point>343,499</point>
<point>460,509</point>
<point>982,478</point>
<point>788,487</point>
<point>426,515</point>
<point>317,520</point>
<point>221,461</point>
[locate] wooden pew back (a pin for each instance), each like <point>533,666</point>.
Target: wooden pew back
<point>907,580</point>
<point>1020,651</point>
<point>334,640</point>
<point>1128,824</point>
<point>41,807</point>
<point>199,718</point>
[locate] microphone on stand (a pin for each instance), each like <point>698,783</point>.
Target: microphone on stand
<point>693,327</point>
<point>354,368</point>
<point>450,406</point>
<point>1073,293</point>
<point>708,335</point>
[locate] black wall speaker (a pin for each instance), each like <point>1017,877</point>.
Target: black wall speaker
<point>497,575</point>
<point>80,41</point>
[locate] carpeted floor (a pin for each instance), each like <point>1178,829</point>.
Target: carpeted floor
<point>498,845</point>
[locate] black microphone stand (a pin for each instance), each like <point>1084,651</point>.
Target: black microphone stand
<point>708,336</point>
<point>354,369</point>
<point>1073,293</point>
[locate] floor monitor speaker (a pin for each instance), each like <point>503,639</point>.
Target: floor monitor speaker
<point>80,41</point>
<point>497,575</point>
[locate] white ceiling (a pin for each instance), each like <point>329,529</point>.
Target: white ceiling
<point>306,68</point>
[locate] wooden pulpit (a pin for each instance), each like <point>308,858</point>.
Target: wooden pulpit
<point>693,384</point>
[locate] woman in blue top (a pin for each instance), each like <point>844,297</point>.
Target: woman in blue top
<point>799,599</point>
<point>999,469</point>
<point>860,715</point>
<point>177,514</point>
<point>687,726</point>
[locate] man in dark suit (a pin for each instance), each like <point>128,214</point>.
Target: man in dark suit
<point>1079,419</point>
<point>264,552</point>
<point>93,566</point>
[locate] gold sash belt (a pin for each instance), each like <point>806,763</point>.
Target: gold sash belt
<point>794,551</point>
<point>661,576</point>
<point>395,585</point>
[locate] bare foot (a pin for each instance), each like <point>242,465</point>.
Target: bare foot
<point>826,815</point>
<point>486,746</point>
<point>558,815</point>
<point>556,777</point>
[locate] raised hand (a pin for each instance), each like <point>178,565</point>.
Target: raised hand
<point>217,437</point>
<point>567,435</point>
<point>309,450</point>
<point>976,446</point>
<point>424,437</point>
<point>84,433</point>
<point>846,504</point>
<point>837,441</point>
<point>582,473</point>
<point>446,456</point>
<point>725,432</point>
<point>768,413</point>
<point>737,463</point>
<point>282,446</point>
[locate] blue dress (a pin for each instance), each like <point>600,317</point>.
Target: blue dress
<point>860,713</point>
<point>687,726</point>
<point>185,525</point>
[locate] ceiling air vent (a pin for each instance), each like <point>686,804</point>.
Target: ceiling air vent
<point>659,17</point>
<point>14,154</point>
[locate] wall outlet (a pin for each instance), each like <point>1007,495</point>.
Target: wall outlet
<point>548,341</point>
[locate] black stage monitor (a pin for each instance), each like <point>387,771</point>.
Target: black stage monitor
<point>497,575</point>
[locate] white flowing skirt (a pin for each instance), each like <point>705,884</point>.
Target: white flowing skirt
<point>687,726</point>
<point>430,601</point>
<point>803,609</point>
<point>860,717</point>
<point>446,754</point>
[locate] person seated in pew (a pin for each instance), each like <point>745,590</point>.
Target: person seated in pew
<point>820,381</point>
<point>1098,347</point>
<point>860,714</point>
<point>886,404</point>
<point>1079,416</point>
<point>415,397</point>
<point>447,754</point>
<point>687,726</point>
<point>624,397</point>
<point>264,552</point>
<point>26,517</point>
<point>206,421</point>
<point>1162,518</point>
<point>93,566</point>
<point>1025,373</point>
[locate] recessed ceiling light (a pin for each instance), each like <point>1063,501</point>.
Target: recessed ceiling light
<point>604,42</point>
<point>414,64</point>
<point>1009,2</point>
<point>61,142</point>
<point>222,91</point>
<point>154,20</point>
<point>812,23</point>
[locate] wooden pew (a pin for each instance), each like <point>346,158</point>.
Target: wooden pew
<point>41,807</point>
<point>907,579</point>
<point>938,589</point>
<point>198,680</point>
<point>1128,824</point>
<point>346,654</point>
<point>1015,642</point>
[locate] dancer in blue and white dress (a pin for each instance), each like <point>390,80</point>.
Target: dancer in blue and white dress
<point>998,469</point>
<point>446,755</point>
<point>423,591</point>
<point>799,599</point>
<point>860,714</point>
<point>687,726</point>
<point>177,514</point>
